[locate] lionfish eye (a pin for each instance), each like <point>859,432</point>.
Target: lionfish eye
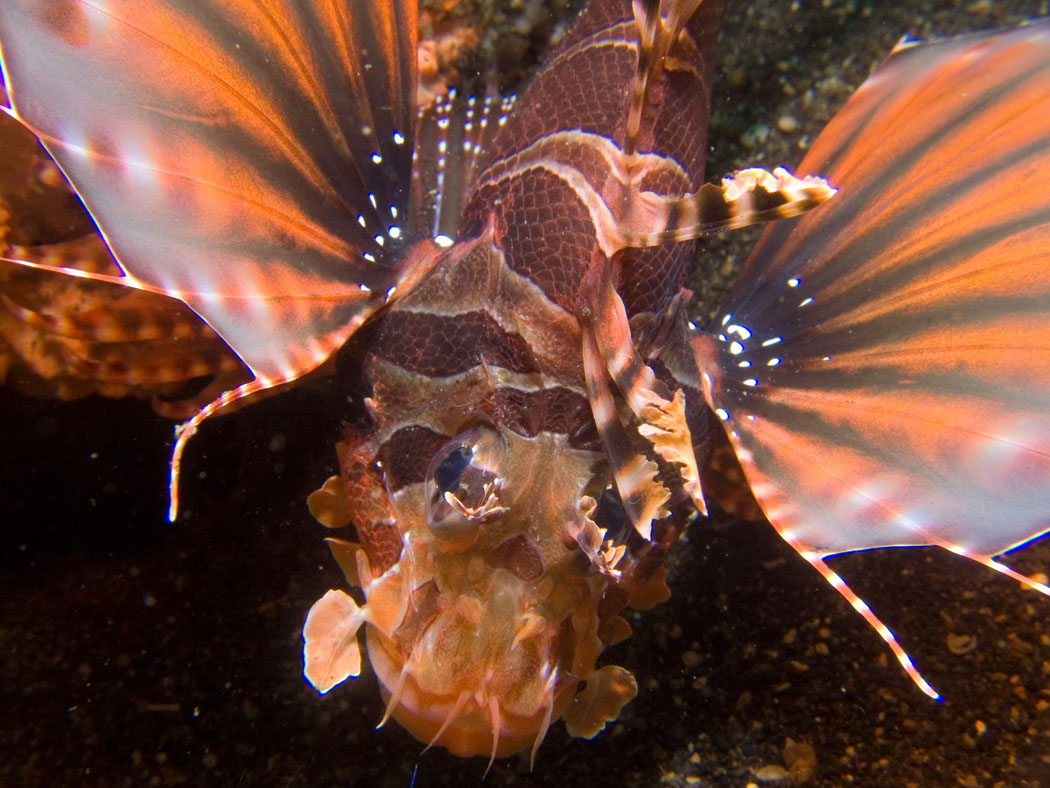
<point>450,469</point>
<point>463,485</point>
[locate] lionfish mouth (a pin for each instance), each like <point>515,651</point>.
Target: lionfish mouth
<point>490,719</point>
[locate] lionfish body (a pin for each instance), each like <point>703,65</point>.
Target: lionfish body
<point>538,404</point>
<point>491,587</point>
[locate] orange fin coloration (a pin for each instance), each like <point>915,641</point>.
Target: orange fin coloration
<point>882,366</point>
<point>272,199</point>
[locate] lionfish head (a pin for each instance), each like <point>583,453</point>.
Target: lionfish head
<point>489,588</point>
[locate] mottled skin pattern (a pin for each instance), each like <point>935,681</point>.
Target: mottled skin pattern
<point>482,629</point>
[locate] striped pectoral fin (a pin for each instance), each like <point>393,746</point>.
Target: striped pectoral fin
<point>229,174</point>
<point>881,367</point>
<point>661,413</point>
<point>232,182</point>
<point>643,495</point>
<point>746,197</point>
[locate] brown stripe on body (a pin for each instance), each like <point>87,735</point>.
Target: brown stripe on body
<point>587,92</point>
<point>510,357</point>
<point>477,278</point>
<point>447,405</point>
<point>444,345</point>
<point>406,454</point>
<point>543,229</point>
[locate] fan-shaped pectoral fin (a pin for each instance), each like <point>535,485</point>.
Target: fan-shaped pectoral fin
<point>771,503</point>
<point>232,183</point>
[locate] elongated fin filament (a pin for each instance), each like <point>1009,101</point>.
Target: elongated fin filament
<point>185,431</point>
<point>861,607</point>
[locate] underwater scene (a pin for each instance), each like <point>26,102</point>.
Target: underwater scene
<point>487,414</point>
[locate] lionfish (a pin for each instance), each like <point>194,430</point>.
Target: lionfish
<point>509,275</point>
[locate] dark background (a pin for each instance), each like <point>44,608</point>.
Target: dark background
<point>135,652</point>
